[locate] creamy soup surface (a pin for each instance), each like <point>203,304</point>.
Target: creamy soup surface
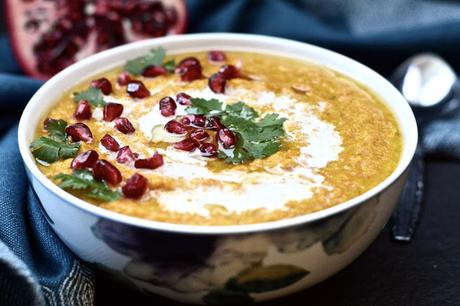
<point>340,141</point>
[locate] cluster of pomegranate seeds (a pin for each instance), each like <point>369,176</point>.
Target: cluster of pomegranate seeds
<point>183,99</point>
<point>83,111</point>
<point>167,106</point>
<point>194,120</point>
<point>216,82</point>
<point>124,125</point>
<point>79,132</point>
<point>135,186</point>
<point>226,138</point>
<point>175,127</point>
<point>188,144</point>
<point>208,149</point>
<point>110,143</point>
<point>105,171</point>
<point>189,69</point>
<point>137,89</point>
<point>112,111</point>
<point>125,155</point>
<point>103,84</point>
<point>199,135</point>
<point>85,160</point>
<point>216,56</point>
<point>154,71</point>
<point>124,78</point>
<point>150,163</point>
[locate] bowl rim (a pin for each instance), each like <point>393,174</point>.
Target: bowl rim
<point>409,143</point>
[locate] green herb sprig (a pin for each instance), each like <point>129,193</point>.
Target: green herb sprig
<point>84,182</point>
<point>257,137</point>
<point>93,95</point>
<point>154,58</point>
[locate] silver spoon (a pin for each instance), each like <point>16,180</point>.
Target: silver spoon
<point>428,83</point>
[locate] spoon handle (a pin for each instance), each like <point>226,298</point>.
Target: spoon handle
<point>407,212</point>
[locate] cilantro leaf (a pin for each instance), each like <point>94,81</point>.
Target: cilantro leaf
<point>170,65</point>
<point>240,109</point>
<point>56,129</point>
<point>154,58</point>
<point>83,181</point>
<point>48,150</point>
<point>204,107</point>
<point>93,95</point>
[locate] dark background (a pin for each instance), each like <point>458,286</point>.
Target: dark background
<point>425,271</point>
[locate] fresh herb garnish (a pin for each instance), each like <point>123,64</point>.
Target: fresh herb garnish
<point>56,129</point>
<point>154,58</point>
<point>93,95</point>
<point>170,65</point>
<point>49,150</point>
<point>256,137</point>
<point>83,181</point>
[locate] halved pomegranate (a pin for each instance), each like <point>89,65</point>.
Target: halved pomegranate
<point>48,36</point>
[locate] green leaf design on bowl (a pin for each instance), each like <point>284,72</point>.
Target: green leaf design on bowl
<point>257,279</point>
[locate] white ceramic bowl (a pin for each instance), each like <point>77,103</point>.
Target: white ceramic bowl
<point>214,264</point>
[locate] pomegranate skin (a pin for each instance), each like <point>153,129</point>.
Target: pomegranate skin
<point>135,186</point>
<point>106,172</point>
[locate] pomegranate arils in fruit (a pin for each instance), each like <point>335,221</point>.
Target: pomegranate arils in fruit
<point>135,186</point>
<point>85,160</point>
<point>124,125</point>
<point>183,99</point>
<point>103,84</point>
<point>208,149</point>
<point>83,111</point>
<point>112,111</point>
<point>217,82</point>
<point>229,72</point>
<point>175,127</point>
<point>154,71</point>
<point>187,144</point>
<point>199,135</point>
<point>79,131</point>
<point>125,155</point>
<point>110,143</point>
<point>215,124</point>
<point>216,56</point>
<point>226,138</point>
<point>124,78</point>
<point>150,163</point>
<point>137,89</point>
<point>167,106</point>
<point>105,171</point>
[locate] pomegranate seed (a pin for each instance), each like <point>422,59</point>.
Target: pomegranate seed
<point>208,149</point>
<point>85,160</point>
<point>124,78</point>
<point>154,71</point>
<point>105,171</point>
<point>217,82</point>
<point>185,120</point>
<point>79,131</point>
<point>191,73</point>
<point>229,72</point>
<point>175,127</point>
<point>123,125</point>
<point>135,186</point>
<point>83,111</point>
<point>125,155</point>
<point>215,124</point>
<point>226,138</point>
<point>110,143</point>
<point>216,56</point>
<point>112,111</point>
<point>199,135</point>
<point>194,120</point>
<point>183,99</point>
<point>186,63</point>
<point>150,163</point>
<point>167,106</point>
<point>137,89</point>
<point>187,144</point>
<point>103,84</point>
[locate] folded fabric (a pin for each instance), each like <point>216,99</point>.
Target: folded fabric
<point>37,269</point>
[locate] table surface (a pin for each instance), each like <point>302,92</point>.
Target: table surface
<point>425,271</point>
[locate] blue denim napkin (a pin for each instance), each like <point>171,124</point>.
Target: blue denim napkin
<point>37,269</point>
